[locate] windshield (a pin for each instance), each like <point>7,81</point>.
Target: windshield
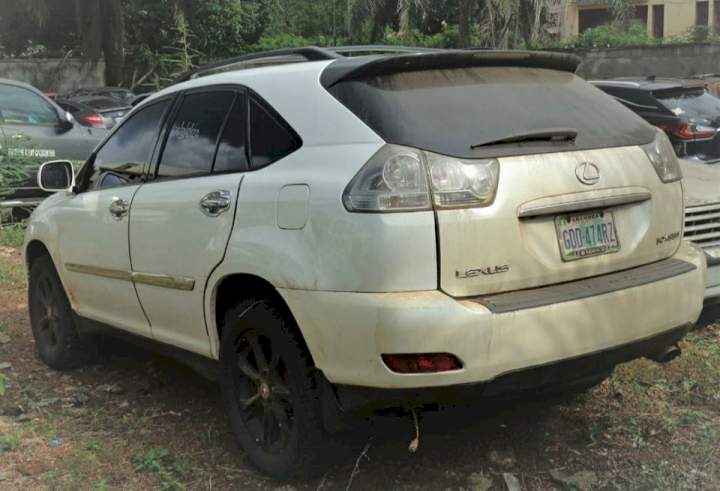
<point>448,111</point>
<point>692,104</point>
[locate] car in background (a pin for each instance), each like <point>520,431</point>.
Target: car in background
<point>33,129</point>
<point>684,109</point>
<point>123,96</point>
<point>95,111</point>
<point>702,217</point>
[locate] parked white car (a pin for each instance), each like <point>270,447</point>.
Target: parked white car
<point>348,233</point>
<point>702,217</point>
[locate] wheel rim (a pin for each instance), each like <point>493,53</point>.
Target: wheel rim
<point>261,392</point>
<point>47,319</point>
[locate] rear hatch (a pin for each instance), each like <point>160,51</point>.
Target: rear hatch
<point>600,184</point>
<point>701,112</point>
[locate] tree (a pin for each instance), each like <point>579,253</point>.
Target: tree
<point>464,18</point>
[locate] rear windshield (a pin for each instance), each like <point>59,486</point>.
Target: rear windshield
<point>691,103</point>
<point>102,103</point>
<point>449,111</point>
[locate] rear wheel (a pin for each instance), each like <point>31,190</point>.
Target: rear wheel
<point>270,392</point>
<point>58,343</point>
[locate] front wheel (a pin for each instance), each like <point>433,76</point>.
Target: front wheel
<point>270,392</point>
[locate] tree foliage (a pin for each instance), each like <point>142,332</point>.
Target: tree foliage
<point>145,43</point>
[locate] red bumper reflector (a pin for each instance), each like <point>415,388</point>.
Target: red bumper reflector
<point>422,362</point>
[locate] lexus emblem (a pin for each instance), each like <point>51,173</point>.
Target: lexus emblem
<point>588,173</point>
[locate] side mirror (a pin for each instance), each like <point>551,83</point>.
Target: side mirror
<point>55,176</point>
<point>67,121</point>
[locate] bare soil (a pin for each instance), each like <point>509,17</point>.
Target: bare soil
<point>139,421</point>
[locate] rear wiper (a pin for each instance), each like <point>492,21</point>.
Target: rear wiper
<point>548,135</point>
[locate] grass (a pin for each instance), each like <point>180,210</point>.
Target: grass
<point>12,274</point>
<point>158,462</point>
<point>12,235</point>
<point>9,442</point>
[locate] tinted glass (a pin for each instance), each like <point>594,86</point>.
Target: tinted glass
<point>21,106</point>
<point>691,103</point>
<point>190,146</point>
<point>129,149</point>
<point>101,103</point>
<point>231,156</point>
<point>447,111</point>
<point>270,138</point>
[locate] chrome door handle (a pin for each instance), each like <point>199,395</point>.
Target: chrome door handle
<point>19,136</point>
<point>215,203</point>
<point>119,208</point>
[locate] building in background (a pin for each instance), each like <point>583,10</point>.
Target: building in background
<point>662,17</point>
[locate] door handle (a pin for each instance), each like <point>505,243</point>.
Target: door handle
<point>215,203</point>
<point>19,137</point>
<point>119,208</point>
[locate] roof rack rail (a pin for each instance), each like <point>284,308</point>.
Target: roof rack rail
<point>381,49</point>
<point>310,53</point>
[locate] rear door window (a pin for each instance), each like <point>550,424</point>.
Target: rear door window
<point>271,138</point>
<point>448,111</point>
<point>193,135</point>
<point>232,152</point>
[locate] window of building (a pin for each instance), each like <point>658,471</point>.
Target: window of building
<point>590,18</point>
<point>658,24</point>
<point>701,13</point>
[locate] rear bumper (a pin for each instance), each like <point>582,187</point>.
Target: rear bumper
<point>348,332</point>
<point>558,376</point>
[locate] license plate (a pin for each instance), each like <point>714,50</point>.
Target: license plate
<point>586,234</point>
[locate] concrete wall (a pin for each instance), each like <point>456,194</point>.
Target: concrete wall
<point>662,61</point>
<point>54,75</point>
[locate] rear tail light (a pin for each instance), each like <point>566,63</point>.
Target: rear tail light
<point>94,120</point>
<point>406,179</point>
<point>662,156</point>
<point>686,131</point>
<point>422,363</point>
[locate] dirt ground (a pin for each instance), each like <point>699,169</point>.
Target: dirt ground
<point>138,421</point>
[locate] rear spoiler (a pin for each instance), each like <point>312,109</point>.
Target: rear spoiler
<point>373,66</point>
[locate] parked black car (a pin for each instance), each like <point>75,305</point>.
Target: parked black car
<point>95,111</point>
<point>123,96</point>
<point>33,129</point>
<point>688,113</point>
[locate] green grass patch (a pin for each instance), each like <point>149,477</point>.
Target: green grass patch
<point>159,463</point>
<point>12,274</point>
<point>12,235</point>
<point>9,442</point>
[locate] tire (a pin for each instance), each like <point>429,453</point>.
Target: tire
<point>270,392</point>
<point>57,340</point>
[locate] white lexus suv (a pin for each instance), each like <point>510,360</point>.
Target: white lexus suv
<point>342,233</point>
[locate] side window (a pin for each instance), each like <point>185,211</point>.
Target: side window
<point>129,148</point>
<point>24,107</point>
<point>232,155</point>
<point>270,137</point>
<point>191,142</point>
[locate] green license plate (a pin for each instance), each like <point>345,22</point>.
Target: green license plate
<point>586,234</point>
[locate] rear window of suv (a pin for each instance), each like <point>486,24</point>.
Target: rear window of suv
<point>449,110</point>
<point>690,103</point>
